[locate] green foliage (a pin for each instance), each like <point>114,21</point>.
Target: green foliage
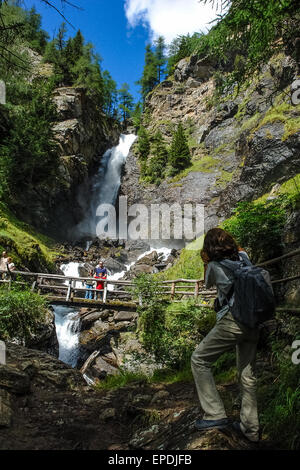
<point>136,116</point>
<point>143,144</point>
<point>19,26</point>
<point>126,102</point>
<point>125,377</point>
<point>179,154</point>
<point>28,153</point>
<point>160,58</point>
<point>258,227</point>
<point>280,401</point>
<point>181,47</point>
<point>149,77</point>
<point>25,245</point>
<point>168,331</point>
<point>21,312</point>
<point>189,264</point>
<point>157,164</point>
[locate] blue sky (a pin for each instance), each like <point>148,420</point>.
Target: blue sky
<point>120,29</point>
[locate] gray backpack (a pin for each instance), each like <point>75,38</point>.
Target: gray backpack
<point>254,301</point>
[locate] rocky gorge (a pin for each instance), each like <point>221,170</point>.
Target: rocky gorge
<point>244,145</point>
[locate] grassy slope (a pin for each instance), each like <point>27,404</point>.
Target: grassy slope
<point>26,246</point>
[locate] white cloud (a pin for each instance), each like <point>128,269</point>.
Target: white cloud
<point>170,18</point>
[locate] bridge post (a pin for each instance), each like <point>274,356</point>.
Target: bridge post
<point>40,282</point>
<point>33,286</point>
<point>105,292</point>
<point>197,284</point>
<point>173,290</point>
<point>69,290</point>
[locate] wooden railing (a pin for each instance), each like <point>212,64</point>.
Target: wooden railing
<point>42,282</point>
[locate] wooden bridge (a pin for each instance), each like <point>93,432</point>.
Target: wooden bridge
<point>113,292</point>
<point>70,290</point>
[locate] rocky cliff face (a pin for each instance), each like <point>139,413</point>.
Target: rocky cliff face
<point>83,134</point>
<point>241,144</point>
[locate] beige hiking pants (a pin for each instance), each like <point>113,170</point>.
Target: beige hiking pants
<point>226,334</point>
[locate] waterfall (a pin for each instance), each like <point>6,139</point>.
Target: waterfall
<point>67,330</point>
<point>104,185</point>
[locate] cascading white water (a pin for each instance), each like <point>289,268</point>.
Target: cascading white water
<point>105,184</point>
<point>67,330</point>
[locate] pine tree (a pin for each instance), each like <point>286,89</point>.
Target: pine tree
<point>143,144</point>
<point>157,164</point>
<point>160,58</point>
<point>179,154</point>
<point>110,94</point>
<point>149,78</point>
<point>126,102</point>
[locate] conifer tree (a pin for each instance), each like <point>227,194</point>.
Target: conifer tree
<point>126,102</point>
<point>143,144</point>
<point>179,154</point>
<point>160,58</point>
<point>149,78</point>
<point>158,162</point>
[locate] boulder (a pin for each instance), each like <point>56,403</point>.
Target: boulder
<point>101,368</point>
<point>124,316</point>
<point>113,265</point>
<point>45,338</point>
<point>182,70</point>
<point>14,380</point>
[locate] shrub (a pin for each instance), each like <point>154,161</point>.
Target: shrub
<point>21,311</point>
<point>170,331</point>
<point>179,154</point>
<point>258,227</point>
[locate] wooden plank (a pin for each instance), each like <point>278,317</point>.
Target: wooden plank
<point>89,361</point>
<point>286,279</point>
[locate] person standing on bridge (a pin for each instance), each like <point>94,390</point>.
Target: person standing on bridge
<point>100,273</point>
<point>226,334</point>
<point>89,285</point>
<point>3,264</point>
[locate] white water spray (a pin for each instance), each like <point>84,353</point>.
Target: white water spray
<point>67,330</point>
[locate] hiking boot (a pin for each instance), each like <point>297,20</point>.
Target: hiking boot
<point>237,427</point>
<point>205,424</point>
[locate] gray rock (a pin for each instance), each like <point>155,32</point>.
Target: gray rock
<point>124,316</point>
<point>102,368</point>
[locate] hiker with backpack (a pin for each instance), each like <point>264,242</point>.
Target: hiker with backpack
<point>245,300</point>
